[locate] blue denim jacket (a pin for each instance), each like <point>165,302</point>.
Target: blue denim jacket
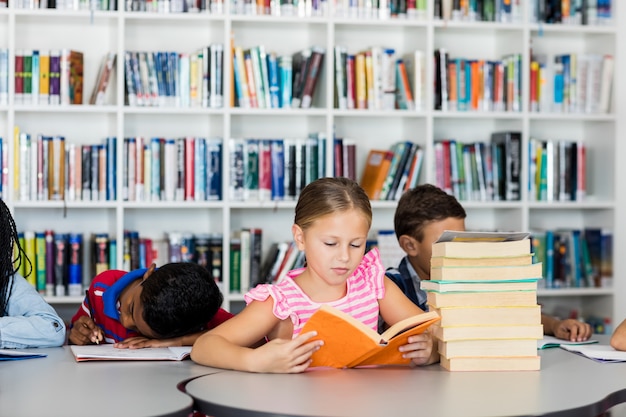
<point>31,322</point>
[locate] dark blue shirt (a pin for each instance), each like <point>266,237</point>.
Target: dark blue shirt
<point>406,278</point>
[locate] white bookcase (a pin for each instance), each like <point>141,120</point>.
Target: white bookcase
<point>100,32</point>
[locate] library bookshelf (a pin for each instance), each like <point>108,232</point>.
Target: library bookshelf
<point>98,32</point>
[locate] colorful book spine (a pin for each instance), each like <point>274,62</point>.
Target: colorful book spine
<point>55,77</point>
<point>155,171</point>
<point>18,94</point>
<point>75,264</point>
<point>237,150</point>
<point>35,71</point>
<point>44,77</point>
<point>50,270</point>
<point>217,79</point>
<point>214,169</point>
<point>272,68</point>
<point>285,73</point>
<point>278,169</point>
<point>30,251</point>
<point>235,265</point>
<point>200,169</point>
<point>40,262</point>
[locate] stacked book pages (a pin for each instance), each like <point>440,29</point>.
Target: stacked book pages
<point>484,288</point>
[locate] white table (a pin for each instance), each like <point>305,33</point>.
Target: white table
<point>567,385</point>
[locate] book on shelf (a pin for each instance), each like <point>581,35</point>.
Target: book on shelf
<point>300,62</point>
<point>340,85</point>
<point>105,73</point>
<point>404,96</point>
<point>375,171</point>
<point>494,363</point>
<point>401,151</point>
<point>551,342</point>
<point>349,343</point>
<point>288,262</point>
<point>557,170</point>
<point>495,244</point>
<point>490,347</point>
<point>509,145</point>
<point>312,76</point>
<point>572,257</point>
<point>75,76</point>
<point>107,352</point>
<point>449,333</point>
<point>489,315</point>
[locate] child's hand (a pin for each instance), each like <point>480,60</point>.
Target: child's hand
<point>420,349</point>
<point>85,332</point>
<point>138,342</point>
<point>572,330</point>
<point>285,356</point>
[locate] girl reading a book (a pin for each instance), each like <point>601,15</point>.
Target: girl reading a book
<point>26,320</point>
<point>332,220</point>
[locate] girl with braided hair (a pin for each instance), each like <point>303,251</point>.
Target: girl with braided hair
<point>26,320</point>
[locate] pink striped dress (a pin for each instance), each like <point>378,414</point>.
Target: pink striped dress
<point>364,288</point>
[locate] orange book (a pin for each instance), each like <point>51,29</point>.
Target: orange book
<point>408,104</point>
<point>349,343</point>
<point>475,85</point>
<point>250,79</point>
<point>375,171</point>
<point>453,86</point>
<point>481,85</point>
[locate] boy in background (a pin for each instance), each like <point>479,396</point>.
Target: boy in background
<point>168,306</point>
<point>422,214</point>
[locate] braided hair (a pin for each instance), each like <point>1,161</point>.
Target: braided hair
<point>11,256</point>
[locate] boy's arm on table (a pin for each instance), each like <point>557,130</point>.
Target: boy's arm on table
<point>568,329</point>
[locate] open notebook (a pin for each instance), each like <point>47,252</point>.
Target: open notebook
<point>110,353</point>
<point>598,353</point>
<point>552,342</point>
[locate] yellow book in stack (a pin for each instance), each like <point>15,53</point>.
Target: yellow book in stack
<point>484,287</point>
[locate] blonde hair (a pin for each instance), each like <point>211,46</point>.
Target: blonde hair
<point>330,195</point>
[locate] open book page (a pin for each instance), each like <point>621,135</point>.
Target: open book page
<point>359,325</point>
<point>455,236</point>
<point>551,342</point>
<point>597,352</point>
<point>109,352</point>
<point>406,324</point>
<point>12,355</point>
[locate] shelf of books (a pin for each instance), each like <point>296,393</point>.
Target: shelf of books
<point>185,130</point>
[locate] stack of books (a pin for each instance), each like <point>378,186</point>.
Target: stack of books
<point>484,288</point>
